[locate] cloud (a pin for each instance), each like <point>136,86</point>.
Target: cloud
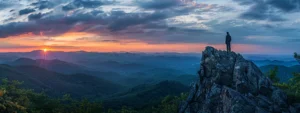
<point>4,5</point>
<point>245,32</point>
<point>96,12</point>
<point>154,22</point>
<point>261,12</point>
<point>246,2</point>
<point>85,4</point>
<point>53,25</point>
<point>270,10</point>
<point>157,4</point>
<point>124,20</point>
<point>26,11</point>
<point>35,16</point>
<point>5,45</point>
<point>293,40</point>
<point>43,4</point>
<point>134,19</point>
<point>142,26</point>
<point>58,47</point>
<point>285,5</point>
<point>182,35</point>
<point>47,26</point>
<point>96,21</point>
<point>145,26</point>
<point>113,41</point>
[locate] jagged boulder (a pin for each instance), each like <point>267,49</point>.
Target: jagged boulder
<point>230,84</point>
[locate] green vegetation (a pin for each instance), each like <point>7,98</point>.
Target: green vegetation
<point>272,74</point>
<point>14,99</point>
<point>167,105</point>
<point>292,87</point>
<point>145,95</point>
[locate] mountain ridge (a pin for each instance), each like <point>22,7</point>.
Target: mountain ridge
<point>230,84</point>
<point>52,65</point>
<point>57,84</point>
<point>284,73</point>
<point>146,94</point>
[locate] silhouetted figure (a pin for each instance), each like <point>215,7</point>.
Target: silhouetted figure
<point>228,41</point>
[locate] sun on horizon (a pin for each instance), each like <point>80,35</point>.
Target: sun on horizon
<point>45,49</point>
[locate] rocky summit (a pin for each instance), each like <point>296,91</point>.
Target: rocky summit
<point>228,83</point>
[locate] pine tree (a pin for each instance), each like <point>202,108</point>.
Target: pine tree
<point>273,75</point>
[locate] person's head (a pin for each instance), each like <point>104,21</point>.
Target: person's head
<point>227,33</point>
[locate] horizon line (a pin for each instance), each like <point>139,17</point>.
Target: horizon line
<point>137,52</point>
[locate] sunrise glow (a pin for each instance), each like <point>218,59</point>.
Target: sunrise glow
<point>144,56</point>
<point>179,26</point>
<point>45,49</point>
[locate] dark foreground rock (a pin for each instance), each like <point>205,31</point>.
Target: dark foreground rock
<point>230,84</point>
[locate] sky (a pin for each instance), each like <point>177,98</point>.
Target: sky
<point>256,26</point>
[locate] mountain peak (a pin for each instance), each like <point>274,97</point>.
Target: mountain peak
<point>230,84</point>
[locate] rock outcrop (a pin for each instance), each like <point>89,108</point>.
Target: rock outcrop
<point>230,84</point>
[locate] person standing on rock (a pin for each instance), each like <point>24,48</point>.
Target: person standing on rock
<point>228,41</point>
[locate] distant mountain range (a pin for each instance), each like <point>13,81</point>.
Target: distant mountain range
<point>125,63</point>
<point>56,77</point>
<point>87,86</point>
<point>117,79</point>
<point>275,62</point>
<point>52,65</point>
<point>284,72</point>
<point>56,84</point>
<point>102,78</point>
<point>129,74</point>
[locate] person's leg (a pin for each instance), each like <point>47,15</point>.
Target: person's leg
<point>229,47</point>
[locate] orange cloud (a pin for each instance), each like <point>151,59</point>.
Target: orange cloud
<point>68,42</point>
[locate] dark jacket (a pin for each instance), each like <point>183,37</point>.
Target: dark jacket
<point>228,39</point>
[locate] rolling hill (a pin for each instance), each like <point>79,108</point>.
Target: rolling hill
<point>284,72</point>
<point>52,65</point>
<point>70,68</point>
<point>56,84</point>
<point>145,94</point>
<point>275,62</point>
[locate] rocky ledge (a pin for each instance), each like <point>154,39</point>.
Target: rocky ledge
<point>230,84</point>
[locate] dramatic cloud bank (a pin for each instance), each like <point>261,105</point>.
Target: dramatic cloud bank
<point>271,25</point>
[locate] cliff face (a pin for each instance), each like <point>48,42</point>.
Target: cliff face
<point>230,84</point>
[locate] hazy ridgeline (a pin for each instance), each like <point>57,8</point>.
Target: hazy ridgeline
<point>131,69</point>
<point>116,80</point>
